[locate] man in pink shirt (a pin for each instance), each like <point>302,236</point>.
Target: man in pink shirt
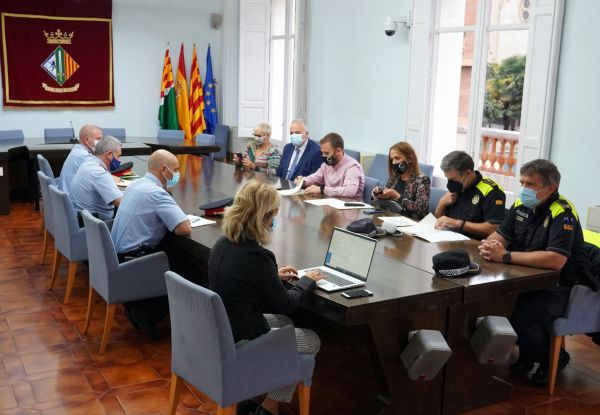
<point>339,175</point>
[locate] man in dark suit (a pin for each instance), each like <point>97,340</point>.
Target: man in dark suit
<point>302,156</point>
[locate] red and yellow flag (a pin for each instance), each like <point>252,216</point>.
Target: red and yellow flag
<point>198,124</point>
<point>181,97</point>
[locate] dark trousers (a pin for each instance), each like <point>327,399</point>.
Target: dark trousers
<point>531,318</point>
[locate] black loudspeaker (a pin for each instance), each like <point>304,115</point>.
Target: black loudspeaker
<point>425,354</point>
<point>493,339</point>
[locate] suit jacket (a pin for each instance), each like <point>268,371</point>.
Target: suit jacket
<point>309,163</point>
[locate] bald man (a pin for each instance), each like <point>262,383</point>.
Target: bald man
<point>89,135</point>
<point>145,214</point>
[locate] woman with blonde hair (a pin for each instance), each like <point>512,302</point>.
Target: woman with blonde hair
<point>246,277</point>
<point>261,155</point>
<point>407,186</point>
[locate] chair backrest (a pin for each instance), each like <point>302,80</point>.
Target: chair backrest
<point>101,253</point>
<point>171,134</point>
<point>582,314</point>
<point>45,167</point>
<point>58,135</point>
<point>370,184</point>
<point>118,133</point>
<point>426,169</point>
<point>68,237</point>
<point>353,153</point>
<point>201,337</point>
<point>379,168</point>
<point>11,135</point>
<point>205,140</point>
<point>221,140</point>
<point>45,183</point>
<point>434,197</point>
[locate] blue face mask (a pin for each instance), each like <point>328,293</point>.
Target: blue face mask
<point>172,182</point>
<point>296,139</point>
<point>273,224</point>
<point>528,197</point>
<point>114,164</point>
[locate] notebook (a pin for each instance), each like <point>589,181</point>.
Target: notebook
<point>347,261</point>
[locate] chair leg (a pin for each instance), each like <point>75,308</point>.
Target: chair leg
<point>228,410</point>
<point>174,395</point>
<point>90,309</point>
<point>43,227</point>
<point>70,280</point>
<point>45,246</point>
<point>304,398</point>
<point>55,265</point>
<point>110,315</point>
<point>555,343</point>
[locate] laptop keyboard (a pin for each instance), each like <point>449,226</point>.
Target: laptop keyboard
<point>334,279</point>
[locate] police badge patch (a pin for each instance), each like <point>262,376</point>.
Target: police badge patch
<point>475,199</point>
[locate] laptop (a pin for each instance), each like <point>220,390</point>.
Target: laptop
<point>347,261</point>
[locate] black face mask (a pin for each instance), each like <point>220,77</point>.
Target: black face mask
<point>329,160</point>
<point>400,168</point>
<point>454,186</point>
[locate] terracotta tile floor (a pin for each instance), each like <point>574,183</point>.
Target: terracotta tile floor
<point>48,367</point>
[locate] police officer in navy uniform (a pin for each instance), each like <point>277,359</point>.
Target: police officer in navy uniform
<point>542,230</point>
<point>474,205</point>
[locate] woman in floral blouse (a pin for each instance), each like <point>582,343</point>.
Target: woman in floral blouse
<point>261,155</point>
<point>407,185</point>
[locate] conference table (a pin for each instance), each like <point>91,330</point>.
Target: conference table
<point>407,295</point>
<point>18,162</point>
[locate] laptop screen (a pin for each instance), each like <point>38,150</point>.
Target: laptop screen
<point>350,253</point>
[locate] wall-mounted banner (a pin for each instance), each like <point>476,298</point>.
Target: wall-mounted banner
<point>57,54</point>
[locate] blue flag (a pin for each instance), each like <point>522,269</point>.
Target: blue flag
<point>210,98</point>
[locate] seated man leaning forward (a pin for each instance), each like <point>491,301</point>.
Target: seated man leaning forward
<point>339,175</point>
<point>474,205</point>
<point>89,135</point>
<point>542,230</point>
<point>93,188</point>
<point>145,215</point>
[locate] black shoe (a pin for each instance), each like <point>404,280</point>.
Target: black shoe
<point>540,377</point>
<point>146,324</point>
<point>246,407</point>
<point>129,316</point>
<point>521,367</point>
<point>262,411</point>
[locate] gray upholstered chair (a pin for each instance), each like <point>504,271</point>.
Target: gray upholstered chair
<point>379,168</point>
<point>11,135</point>
<point>171,134</point>
<point>370,184</point>
<point>205,139</point>
<point>434,197</point>
<point>58,135</point>
<point>69,239</point>
<point>221,140</point>
<point>45,167</point>
<point>354,154</point>
<point>426,169</point>
<point>116,283</point>
<point>204,354</point>
<point>118,133</point>
<point>45,182</point>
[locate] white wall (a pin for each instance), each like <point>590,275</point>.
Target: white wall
<point>358,76</point>
<point>141,30</point>
<point>575,143</point>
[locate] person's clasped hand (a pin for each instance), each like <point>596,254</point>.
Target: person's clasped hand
<point>444,222</point>
<point>492,250</point>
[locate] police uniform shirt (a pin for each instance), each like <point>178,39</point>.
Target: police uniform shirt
<point>144,215</point>
<point>76,157</point>
<point>482,202</point>
<point>94,189</point>
<point>552,226</point>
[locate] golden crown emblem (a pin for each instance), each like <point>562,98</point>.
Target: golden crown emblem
<point>58,37</point>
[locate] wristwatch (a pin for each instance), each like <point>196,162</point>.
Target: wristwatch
<point>322,189</point>
<point>507,258</point>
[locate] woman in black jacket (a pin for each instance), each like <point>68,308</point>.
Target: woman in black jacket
<point>246,277</point>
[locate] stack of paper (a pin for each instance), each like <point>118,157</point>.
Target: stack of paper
<point>199,221</point>
<point>339,204</point>
<point>290,192</point>
<point>426,230</point>
<point>399,221</point>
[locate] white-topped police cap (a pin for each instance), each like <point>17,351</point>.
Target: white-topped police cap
<point>454,263</point>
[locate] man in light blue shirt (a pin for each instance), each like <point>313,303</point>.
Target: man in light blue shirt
<point>88,137</point>
<point>93,187</point>
<point>148,210</point>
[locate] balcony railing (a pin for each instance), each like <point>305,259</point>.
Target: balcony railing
<point>497,153</point>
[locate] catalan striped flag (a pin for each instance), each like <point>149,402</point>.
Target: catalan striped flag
<point>182,97</point>
<point>198,124</point>
<point>167,114</point>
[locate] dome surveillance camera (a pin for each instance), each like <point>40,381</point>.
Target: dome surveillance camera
<point>390,27</point>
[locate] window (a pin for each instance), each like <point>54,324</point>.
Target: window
<point>483,60</point>
<point>271,70</point>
